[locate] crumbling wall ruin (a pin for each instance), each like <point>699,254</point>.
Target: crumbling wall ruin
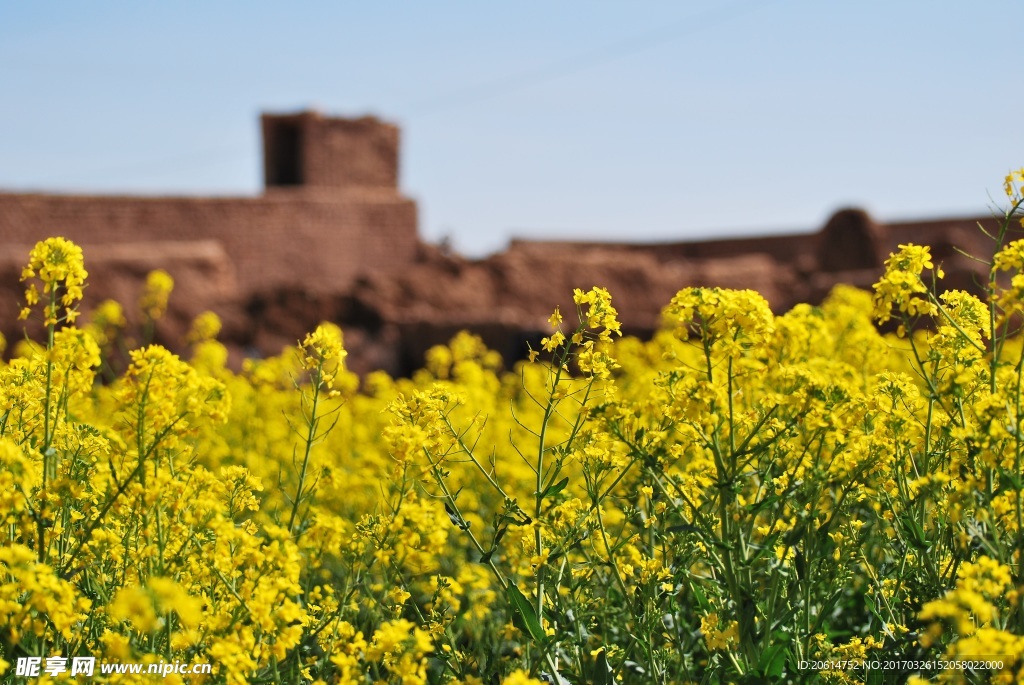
<point>332,238</point>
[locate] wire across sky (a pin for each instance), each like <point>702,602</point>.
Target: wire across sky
<point>581,120</point>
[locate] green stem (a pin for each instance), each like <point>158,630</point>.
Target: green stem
<point>538,536</point>
<point>49,472</point>
<point>312,422</point>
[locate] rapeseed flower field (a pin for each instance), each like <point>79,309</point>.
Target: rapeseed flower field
<point>745,498</point>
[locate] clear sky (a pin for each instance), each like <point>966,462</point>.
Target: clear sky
<point>578,119</point>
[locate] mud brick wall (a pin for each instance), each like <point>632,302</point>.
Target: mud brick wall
<point>287,238</point>
<point>332,210</point>
<point>333,238</point>
<point>310,150</point>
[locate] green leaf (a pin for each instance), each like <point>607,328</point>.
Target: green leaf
<point>602,674</point>
<point>755,507</point>
<point>917,536</point>
<point>556,488</point>
<point>725,547</point>
<point>764,547</point>
<point>702,601</point>
<point>455,518</point>
<point>874,612</point>
<point>1009,480</point>
<point>772,661</point>
<point>524,616</point>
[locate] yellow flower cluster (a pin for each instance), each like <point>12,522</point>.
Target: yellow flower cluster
<point>156,294</point>
<point>733,320</point>
<point>597,311</point>
<point>323,355</point>
<point>718,637</point>
<point>740,493</point>
<point>968,619</point>
<point>1011,258</point>
<point>60,266</point>
<point>902,284</point>
<point>205,328</point>
<point>1012,183</point>
<point>106,322</point>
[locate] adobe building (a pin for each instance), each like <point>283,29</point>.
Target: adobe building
<point>332,238</point>
<point>331,210</point>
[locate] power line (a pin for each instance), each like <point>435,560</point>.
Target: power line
<point>581,62</point>
<point>467,94</point>
<point>187,161</point>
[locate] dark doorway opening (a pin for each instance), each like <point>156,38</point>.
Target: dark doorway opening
<point>284,153</point>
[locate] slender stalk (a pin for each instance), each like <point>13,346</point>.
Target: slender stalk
<point>538,535</point>
<point>312,421</point>
<point>49,470</point>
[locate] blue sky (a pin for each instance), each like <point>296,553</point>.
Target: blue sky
<point>584,120</point>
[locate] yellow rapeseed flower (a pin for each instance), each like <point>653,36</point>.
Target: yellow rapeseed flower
<point>156,294</point>
<point>60,267</point>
